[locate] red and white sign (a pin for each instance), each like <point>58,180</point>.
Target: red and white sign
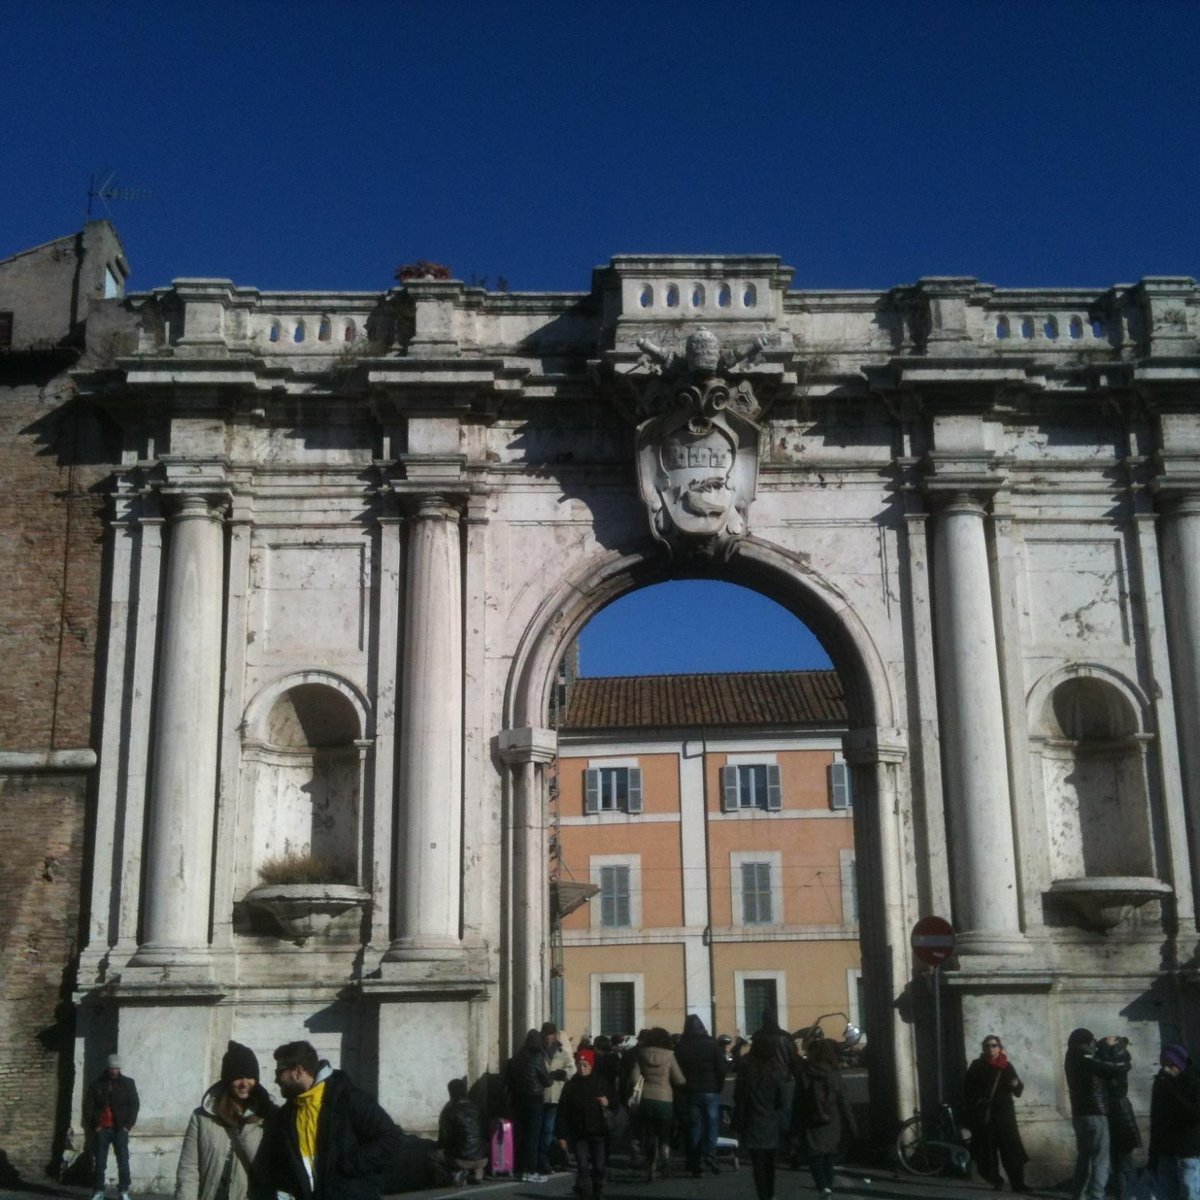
<point>932,940</point>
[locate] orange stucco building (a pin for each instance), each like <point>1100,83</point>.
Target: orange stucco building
<point>708,820</point>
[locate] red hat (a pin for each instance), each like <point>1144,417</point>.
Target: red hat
<point>589,1055</point>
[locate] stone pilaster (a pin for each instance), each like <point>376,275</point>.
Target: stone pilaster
<point>178,876</point>
<point>429,824</point>
<point>527,751</point>
<point>978,803</point>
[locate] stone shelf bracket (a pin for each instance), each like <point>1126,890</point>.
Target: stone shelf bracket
<point>1105,901</point>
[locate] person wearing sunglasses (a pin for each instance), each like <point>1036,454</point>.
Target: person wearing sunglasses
<point>990,1088</point>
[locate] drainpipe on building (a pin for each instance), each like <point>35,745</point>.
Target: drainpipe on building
<point>708,933</point>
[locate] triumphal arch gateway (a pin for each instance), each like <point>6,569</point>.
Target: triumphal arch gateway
<point>354,534</point>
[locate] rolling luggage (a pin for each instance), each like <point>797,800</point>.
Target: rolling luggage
<point>500,1147</point>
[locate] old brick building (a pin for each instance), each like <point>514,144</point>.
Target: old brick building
<point>56,455</point>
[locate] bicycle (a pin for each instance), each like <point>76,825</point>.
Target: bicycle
<point>933,1143</point>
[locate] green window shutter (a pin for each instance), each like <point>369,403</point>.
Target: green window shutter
<point>729,789</point>
<point>591,790</point>
<point>633,803</point>
<point>839,785</point>
<point>774,788</point>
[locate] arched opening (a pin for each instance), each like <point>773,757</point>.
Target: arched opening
<point>302,775</point>
<point>866,743</point>
<point>1094,781</point>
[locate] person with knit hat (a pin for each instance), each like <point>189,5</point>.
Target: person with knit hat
<point>225,1133</point>
<point>1175,1125</point>
<point>110,1111</point>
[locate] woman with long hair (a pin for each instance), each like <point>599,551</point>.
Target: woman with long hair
<point>760,1099</point>
<point>990,1087</point>
<point>224,1134</point>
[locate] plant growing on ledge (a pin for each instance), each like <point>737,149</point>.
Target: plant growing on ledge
<point>301,868</point>
<point>422,269</point>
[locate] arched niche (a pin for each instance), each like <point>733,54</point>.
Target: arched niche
<point>1088,746</point>
<point>303,775</point>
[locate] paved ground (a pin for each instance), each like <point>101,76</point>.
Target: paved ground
<point>852,1182</point>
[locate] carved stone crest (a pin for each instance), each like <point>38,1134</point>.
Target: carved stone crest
<point>697,444</point>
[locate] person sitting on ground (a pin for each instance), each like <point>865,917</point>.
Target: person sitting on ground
<point>461,1152</point>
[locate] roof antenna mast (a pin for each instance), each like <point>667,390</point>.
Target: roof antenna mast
<point>103,187</point>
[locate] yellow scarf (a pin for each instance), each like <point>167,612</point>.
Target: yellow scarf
<point>308,1110</point>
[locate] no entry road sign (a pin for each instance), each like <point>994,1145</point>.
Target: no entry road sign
<point>932,940</point>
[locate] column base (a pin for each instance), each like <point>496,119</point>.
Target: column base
<point>991,943</point>
<point>181,962</point>
<point>425,949</point>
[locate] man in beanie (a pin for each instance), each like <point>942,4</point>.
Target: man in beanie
<point>330,1140</point>
<point>1175,1125</point>
<point>1087,1084</point>
<point>224,1135</point>
<point>110,1111</point>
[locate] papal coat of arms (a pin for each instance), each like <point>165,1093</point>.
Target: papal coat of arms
<point>697,446</point>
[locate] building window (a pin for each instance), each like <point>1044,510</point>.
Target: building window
<point>618,1003</point>
<point>612,789</point>
<point>751,786</point>
<point>6,330</point>
<point>839,786</point>
<point>757,908</point>
<point>759,996</point>
<point>617,904</point>
<point>614,897</point>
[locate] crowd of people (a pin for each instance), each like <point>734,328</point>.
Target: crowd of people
<point>329,1138</point>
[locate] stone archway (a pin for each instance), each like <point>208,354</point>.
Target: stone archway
<point>875,747</point>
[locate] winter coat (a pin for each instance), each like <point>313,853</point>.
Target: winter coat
<point>356,1142</point>
<point>527,1076</point>
<point>580,1113</point>
<point>1087,1081</point>
<point>1175,1115</point>
<point>821,1111</point>
<point>121,1093</point>
<point>1124,1135</point>
<point>460,1130</point>
<point>700,1059</point>
<point>208,1147</point>
<point>759,1097</point>
<point>560,1059</point>
<point>657,1066</point>
<point>988,1093</point>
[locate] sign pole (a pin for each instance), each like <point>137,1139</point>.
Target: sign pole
<point>937,1029</point>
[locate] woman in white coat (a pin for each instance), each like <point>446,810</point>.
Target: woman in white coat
<point>224,1133</point>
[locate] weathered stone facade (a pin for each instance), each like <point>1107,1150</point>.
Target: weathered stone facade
<point>352,536</point>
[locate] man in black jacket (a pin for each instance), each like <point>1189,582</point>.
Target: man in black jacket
<point>110,1111</point>
<point>1088,1086</point>
<point>330,1140</point>
<point>461,1149</point>
<point>703,1065</point>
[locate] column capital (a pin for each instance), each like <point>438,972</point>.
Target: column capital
<point>434,507</point>
<point>527,743</point>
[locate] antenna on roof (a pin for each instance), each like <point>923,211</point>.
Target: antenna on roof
<point>103,187</point>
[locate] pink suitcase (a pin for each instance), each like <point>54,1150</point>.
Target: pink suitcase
<point>500,1149</point>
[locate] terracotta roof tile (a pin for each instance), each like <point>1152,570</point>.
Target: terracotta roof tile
<point>672,701</point>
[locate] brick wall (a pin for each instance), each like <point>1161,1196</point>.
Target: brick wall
<point>41,852</point>
<point>55,457</point>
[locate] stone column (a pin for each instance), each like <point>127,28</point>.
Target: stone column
<point>528,751</point>
<point>187,713</point>
<point>429,825</point>
<point>1181,595</point>
<point>973,734</point>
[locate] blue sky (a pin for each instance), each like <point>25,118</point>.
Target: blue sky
<point>318,146</point>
